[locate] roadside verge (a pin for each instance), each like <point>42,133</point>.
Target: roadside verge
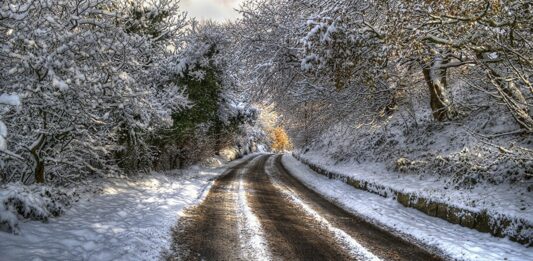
<point>497,224</point>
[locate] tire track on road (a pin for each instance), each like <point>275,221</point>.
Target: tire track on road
<point>291,234</point>
<point>210,231</point>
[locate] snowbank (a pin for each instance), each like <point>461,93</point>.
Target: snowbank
<point>130,220</point>
<point>503,210</point>
<point>453,240</point>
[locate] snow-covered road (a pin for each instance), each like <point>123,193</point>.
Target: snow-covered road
<point>257,210</point>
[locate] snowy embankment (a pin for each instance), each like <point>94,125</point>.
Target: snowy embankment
<point>130,220</point>
<point>453,240</point>
<point>503,210</point>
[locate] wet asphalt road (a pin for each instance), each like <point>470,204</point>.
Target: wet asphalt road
<point>214,230</point>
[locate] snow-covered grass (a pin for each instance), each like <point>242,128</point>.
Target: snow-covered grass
<point>130,220</point>
<point>453,240</point>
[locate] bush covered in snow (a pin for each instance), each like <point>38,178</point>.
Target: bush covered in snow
<point>35,202</point>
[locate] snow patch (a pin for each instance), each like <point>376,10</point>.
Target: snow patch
<point>10,99</point>
<point>60,84</point>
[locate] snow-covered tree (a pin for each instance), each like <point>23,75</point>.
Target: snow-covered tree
<point>376,52</point>
<point>85,79</point>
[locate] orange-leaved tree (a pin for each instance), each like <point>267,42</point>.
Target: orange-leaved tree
<point>280,140</point>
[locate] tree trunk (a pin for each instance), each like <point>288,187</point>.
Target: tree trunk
<point>435,77</point>
<point>39,172</point>
<point>38,162</point>
<point>306,124</point>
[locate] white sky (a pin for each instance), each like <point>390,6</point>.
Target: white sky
<point>218,10</point>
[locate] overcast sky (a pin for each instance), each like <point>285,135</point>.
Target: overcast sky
<point>218,10</point>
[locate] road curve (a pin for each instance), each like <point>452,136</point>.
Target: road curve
<point>258,211</point>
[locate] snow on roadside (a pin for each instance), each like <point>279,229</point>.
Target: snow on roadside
<point>252,238</point>
<point>345,240</point>
<point>131,220</point>
<point>504,199</point>
<point>453,240</point>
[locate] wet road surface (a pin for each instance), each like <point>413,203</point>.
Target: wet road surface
<point>258,211</point>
